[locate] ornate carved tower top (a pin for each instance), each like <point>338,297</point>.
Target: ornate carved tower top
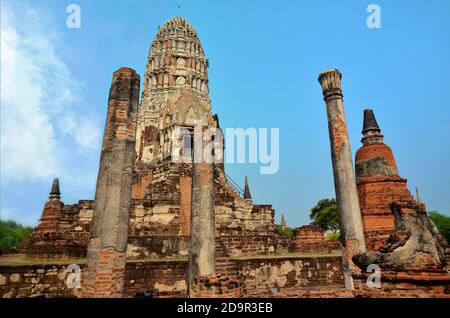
<point>176,61</point>
<point>175,89</point>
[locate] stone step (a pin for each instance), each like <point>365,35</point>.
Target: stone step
<point>227,266</point>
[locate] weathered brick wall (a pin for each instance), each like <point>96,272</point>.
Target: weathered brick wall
<point>168,278</point>
<point>310,239</point>
<point>378,183</point>
<point>259,277</point>
<point>160,215</point>
<point>217,286</point>
<point>153,246</point>
<point>64,235</point>
<point>404,284</point>
<point>289,275</point>
<point>248,244</point>
<point>376,194</point>
<point>35,281</point>
<point>160,278</point>
<point>283,242</point>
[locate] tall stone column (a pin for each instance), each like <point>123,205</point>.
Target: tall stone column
<point>106,257</point>
<point>202,241</point>
<point>350,223</point>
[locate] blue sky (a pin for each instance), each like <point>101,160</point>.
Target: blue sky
<point>265,57</point>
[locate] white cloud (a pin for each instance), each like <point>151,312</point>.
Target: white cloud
<point>85,131</point>
<point>47,128</point>
<point>39,99</point>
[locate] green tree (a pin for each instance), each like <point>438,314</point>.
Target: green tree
<point>287,232</point>
<point>332,235</point>
<point>11,235</point>
<point>442,223</point>
<point>325,215</point>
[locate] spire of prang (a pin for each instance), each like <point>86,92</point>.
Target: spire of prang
<point>247,194</point>
<point>55,194</point>
<point>371,131</point>
<point>370,122</point>
<point>283,222</point>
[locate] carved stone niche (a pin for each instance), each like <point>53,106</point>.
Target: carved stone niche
<point>191,108</point>
<point>180,63</point>
<point>180,81</point>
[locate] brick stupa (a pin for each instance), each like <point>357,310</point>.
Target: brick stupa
<point>378,183</point>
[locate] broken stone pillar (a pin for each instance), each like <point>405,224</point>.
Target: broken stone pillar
<point>202,241</point>
<point>106,257</point>
<point>352,235</point>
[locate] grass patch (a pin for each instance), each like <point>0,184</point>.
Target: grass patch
<point>285,254</point>
<point>22,260</point>
<point>158,260</point>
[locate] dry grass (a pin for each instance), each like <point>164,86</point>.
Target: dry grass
<point>158,260</point>
<point>22,260</point>
<point>286,254</point>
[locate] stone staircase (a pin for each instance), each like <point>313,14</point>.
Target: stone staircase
<point>224,265</point>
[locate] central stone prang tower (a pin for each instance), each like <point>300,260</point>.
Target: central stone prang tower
<point>175,92</point>
<point>174,101</point>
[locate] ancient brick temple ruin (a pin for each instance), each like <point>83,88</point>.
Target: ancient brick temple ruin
<point>401,239</point>
<point>63,230</point>
<point>379,184</point>
<point>138,228</point>
<point>174,96</point>
<point>410,254</point>
<point>311,239</point>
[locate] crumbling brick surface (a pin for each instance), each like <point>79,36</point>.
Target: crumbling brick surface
<point>165,278</point>
<point>217,286</point>
<point>416,244</point>
<point>375,159</point>
<point>376,194</point>
<point>160,215</point>
<point>310,239</point>
<point>36,281</point>
<point>168,278</point>
<point>378,184</point>
<point>405,284</point>
<point>175,95</point>
<point>272,276</point>
<point>62,232</point>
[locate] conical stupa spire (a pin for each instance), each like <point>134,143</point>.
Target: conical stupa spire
<point>283,222</point>
<point>55,193</point>
<point>371,131</point>
<point>247,194</point>
<point>418,196</point>
<point>370,123</point>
